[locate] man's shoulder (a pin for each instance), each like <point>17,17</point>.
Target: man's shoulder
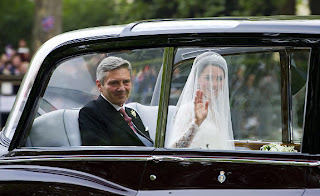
<point>97,105</point>
<point>93,103</point>
<point>89,105</point>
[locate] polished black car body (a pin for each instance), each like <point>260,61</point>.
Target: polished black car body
<point>41,153</point>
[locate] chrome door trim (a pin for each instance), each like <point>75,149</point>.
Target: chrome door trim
<point>229,192</point>
<point>160,158</point>
<point>7,160</point>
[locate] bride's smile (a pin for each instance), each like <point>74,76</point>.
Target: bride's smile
<point>211,80</point>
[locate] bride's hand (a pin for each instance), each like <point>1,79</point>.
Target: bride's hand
<point>200,109</point>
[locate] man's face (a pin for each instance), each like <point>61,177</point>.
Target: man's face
<point>117,86</point>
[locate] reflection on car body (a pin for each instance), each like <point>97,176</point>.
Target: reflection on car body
<point>273,70</point>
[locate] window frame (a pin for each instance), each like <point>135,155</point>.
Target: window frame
<point>71,49</point>
<point>285,74</point>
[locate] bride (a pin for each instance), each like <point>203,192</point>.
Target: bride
<point>203,117</point>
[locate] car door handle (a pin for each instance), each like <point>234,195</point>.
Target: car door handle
<point>166,158</point>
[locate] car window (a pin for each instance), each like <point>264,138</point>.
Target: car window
<point>73,84</point>
<point>258,90</point>
<point>299,69</point>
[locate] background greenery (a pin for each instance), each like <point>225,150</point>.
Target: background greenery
<point>17,17</point>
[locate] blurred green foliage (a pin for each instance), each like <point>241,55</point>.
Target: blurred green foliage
<point>90,13</point>
<point>77,14</point>
<point>17,16</point>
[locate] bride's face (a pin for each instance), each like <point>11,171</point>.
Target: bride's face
<point>211,80</point>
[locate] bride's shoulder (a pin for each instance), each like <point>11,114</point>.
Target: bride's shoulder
<point>188,108</point>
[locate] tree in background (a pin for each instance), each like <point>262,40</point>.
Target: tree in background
<point>51,17</point>
<point>259,8</point>
<point>159,9</point>
<point>147,9</point>
<point>47,21</point>
<point>79,14</point>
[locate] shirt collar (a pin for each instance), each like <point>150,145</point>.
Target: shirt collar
<point>117,107</point>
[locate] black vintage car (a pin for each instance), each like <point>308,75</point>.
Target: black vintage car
<point>274,71</point>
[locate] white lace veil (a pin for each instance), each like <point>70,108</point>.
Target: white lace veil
<point>209,73</point>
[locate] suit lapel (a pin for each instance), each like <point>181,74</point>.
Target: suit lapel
<point>138,122</point>
<point>109,112</point>
<point>135,118</point>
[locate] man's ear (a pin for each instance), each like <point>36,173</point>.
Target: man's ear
<point>99,85</point>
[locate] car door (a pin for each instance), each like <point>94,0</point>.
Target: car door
<point>267,118</point>
<point>51,158</point>
<point>206,172</point>
<point>65,171</point>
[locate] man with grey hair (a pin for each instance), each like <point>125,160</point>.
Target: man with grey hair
<point>106,121</point>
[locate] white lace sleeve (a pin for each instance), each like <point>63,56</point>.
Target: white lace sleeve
<point>184,128</point>
<point>186,139</point>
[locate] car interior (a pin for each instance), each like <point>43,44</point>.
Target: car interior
<point>258,69</point>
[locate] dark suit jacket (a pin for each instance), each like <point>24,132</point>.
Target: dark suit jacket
<point>101,124</point>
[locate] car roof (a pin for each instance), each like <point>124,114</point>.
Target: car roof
<point>304,25</point>
<point>273,24</point>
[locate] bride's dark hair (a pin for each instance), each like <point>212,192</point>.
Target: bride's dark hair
<point>210,58</point>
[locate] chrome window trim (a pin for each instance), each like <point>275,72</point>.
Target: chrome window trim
<point>168,59</point>
<point>286,98</point>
